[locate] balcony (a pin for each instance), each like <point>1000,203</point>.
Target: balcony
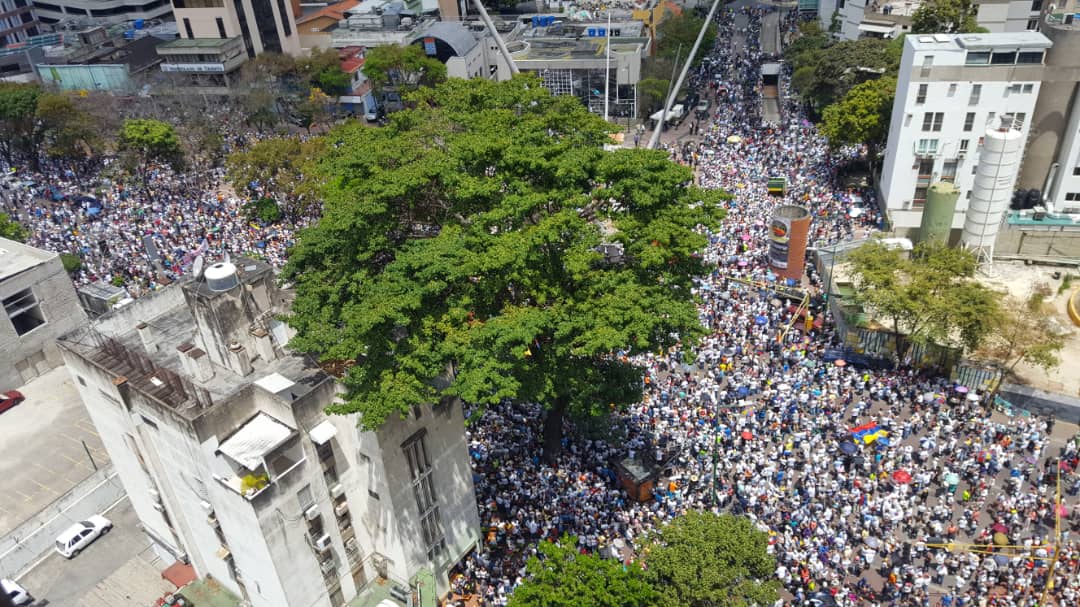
<point>257,456</point>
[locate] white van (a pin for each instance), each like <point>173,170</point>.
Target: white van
<point>15,592</point>
<point>80,535</point>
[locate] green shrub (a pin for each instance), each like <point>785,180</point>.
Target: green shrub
<point>72,263</point>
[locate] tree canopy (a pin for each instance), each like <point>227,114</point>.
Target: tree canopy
<point>278,165</point>
<point>862,116</point>
<point>404,67</point>
<point>145,142</point>
<point>946,17</point>
<point>11,229</point>
<point>679,32</point>
<point>460,254</point>
<point>18,105</point>
<point>1025,333</point>
<point>559,576</point>
<point>927,297</point>
<point>701,559</point>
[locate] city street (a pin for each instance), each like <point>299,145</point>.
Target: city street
<point>59,582</point>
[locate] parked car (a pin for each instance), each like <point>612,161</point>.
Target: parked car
<point>15,592</point>
<point>9,399</point>
<point>80,535</point>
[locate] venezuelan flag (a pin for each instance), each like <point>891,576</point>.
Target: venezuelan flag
<point>865,430</point>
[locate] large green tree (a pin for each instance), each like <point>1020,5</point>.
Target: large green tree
<point>280,165</point>
<point>18,105</point>
<point>402,67</point>
<point>676,36</point>
<point>929,296</point>
<point>63,130</point>
<point>460,255</point>
<point>11,229</point>
<point>825,71</point>
<point>862,116</point>
<point>560,576</point>
<point>144,143</point>
<point>946,17</point>
<point>701,559</point>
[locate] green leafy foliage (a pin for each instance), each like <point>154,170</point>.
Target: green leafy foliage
<point>862,116</point>
<point>145,142</point>
<point>701,559</point>
<point>279,164</point>
<point>1026,332</point>
<point>63,129</point>
<point>928,297</point>
<point>559,576</point>
<point>11,229</point>
<point>265,210</point>
<point>72,263</point>
<point>458,254</point>
<point>680,31</point>
<point>402,67</point>
<point>946,17</point>
<point>18,104</point>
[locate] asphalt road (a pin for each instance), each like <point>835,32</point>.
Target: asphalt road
<point>43,444</point>
<point>59,582</point>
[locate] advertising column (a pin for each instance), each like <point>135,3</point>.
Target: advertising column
<point>787,241</point>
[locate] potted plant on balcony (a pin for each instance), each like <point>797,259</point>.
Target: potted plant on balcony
<point>253,483</point>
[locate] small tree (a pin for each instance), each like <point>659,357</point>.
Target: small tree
<point>18,103</point>
<point>1025,333</point>
<point>63,129</point>
<point>12,230</point>
<point>862,116</point>
<point>403,67</point>
<point>72,263</point>
<point>279,165</point>
<point>144,143</point>
<point>265,210</point>
<point>946,17</point>
<point>703,559</point>
<point>560,576</point>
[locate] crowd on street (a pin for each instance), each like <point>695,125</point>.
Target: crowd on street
<point>859,477</point>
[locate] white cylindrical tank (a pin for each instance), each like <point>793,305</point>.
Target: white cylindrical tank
<point>995,177</point>
<point>221,276</point>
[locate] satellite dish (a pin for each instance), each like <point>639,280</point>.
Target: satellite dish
<point>196,270</point>
<point>227,260</point>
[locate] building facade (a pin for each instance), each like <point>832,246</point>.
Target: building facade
<point>40,305</point>
<point>262,25</point>
<point>220,437</point>
<point>950,89</point>
<point>100,11</point>
<point>17,21</point>
<point>890,18</point>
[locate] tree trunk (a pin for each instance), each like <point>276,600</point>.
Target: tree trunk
<point>553,429</point>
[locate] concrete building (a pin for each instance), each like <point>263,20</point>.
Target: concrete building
<point>220,437</point>
<point>100,11</point>
<point>262,25</point>
<point>1052,162</point>
<point>17,21</point>
<point>40,305</point>
<point>890,18</point>
<point>950,89</point>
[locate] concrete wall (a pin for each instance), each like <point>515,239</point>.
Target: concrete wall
<point>33,353</point>
<point>35,537</point>
<point>1061,241</point>
<point>1060,406</point>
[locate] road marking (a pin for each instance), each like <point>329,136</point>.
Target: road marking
<point>70,438</point>
<point>72,459</point>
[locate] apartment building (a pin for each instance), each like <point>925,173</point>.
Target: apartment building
<point>951,88</point>
<point>262,25</point>
<point>890,18</point>
<point>220,437</point>
<point>17,21</point>
<point>100,11</point>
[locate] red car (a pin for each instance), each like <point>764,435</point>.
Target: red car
<point>10,399</point>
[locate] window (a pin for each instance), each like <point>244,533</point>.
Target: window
<point>24,311</point>
<point>1029,57</point>
<point>187,28</point>
<point>424,491</point>
<point>284,17</point>
<point>1003,58</point>
<point>1028,88</point>
<point>1036,6</point>
<point>969,121</point>
<point>927,63</point>
<point>1076,171</point>
<point>921,96</point>
<point>926,147</point>
<point>976,93</point>
<point>1013,89</point>
<point>948,171</point>
<point>1020,117</point>
<point>977,58</point>
<point>1032,25</point>
<point>149,422</point>
<point>952,90</point>
<point>932,121</point>
<point>919,197</point>
<point>964,145</point>
<point>304,498</point>
<point>220,27</point>
<point>1072,197</point>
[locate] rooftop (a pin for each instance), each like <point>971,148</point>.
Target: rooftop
<point>1025,219</point>
<point>196,43</point>
<point>333,11</point>
<point>15,257</point>
<point>1002,40</point>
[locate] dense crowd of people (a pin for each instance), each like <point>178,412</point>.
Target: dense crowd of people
<point>850,521</point>
<point>857,476</point>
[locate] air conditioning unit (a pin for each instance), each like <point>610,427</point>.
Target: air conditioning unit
<point>337,490</point>
<point>341,509</point>
<point>207,507</point>
<point>961,153</point>
<point>907,205</point>
<point>328,565</point>
<point>350,544</point>
<point>154,495</point>
<point>159,507</point>
<point>311,513</point>
<point>323,543</point>
<point>1039,213</point>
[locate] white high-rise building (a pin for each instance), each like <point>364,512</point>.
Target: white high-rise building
<point>890,18</point>
<point>220,437</point>
<point>950,89</point>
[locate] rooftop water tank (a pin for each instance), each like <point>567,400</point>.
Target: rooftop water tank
<point>221,277</point>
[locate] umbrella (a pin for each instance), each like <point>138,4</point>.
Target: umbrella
<point>902,476</point>
<point>746,435</point>
<point>761,320</point>
<point>93,211</point>
<point>743,263</point>
<point>734,139</point>
<point>1001,559</point>
<point>962,389</point>
<point>1001,539</point>
<point>848,447</point>
<point>872,541</point>
<point>973,397</point>
<point>840,362</point>
<point>746,237</point>
<point>999,528</point>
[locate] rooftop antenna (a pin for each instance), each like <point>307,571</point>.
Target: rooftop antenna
<point>197,269</point>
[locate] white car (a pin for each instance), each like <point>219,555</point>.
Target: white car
<point>15,592</point>
<point>81,534</point>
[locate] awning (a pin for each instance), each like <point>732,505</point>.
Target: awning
<point>322,433</point>
<point>874,28</point>
<point>254,440</point>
